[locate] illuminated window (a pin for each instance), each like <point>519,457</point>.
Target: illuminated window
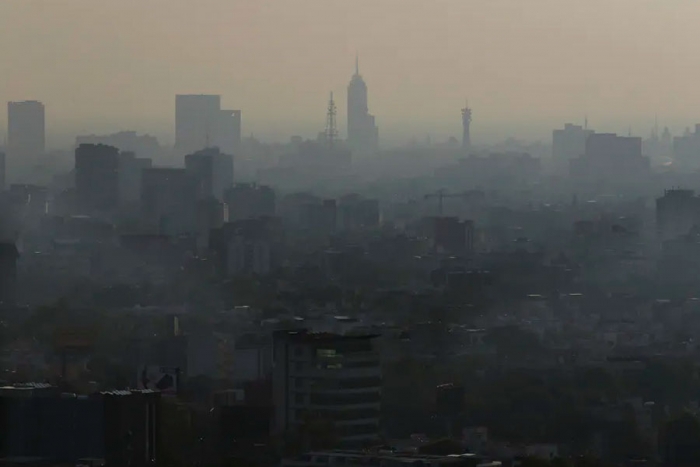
<point>325,353</point>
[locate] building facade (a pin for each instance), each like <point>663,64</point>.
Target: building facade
<point>97,177</point>
<point>26,130</point>
<point>329,379</point>
<point>363,135</point>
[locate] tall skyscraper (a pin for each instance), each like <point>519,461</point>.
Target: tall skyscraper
<point>196,121</point>
<point>363,135</point>
<point>200,123</point>
<point>212,170</point>
<point>97,177</point>
<point>25,132</point>
<point>228,137</point>
<point>2,171</point>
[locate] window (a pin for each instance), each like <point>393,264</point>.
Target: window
<point>299,399</point>
<point>325,353</point>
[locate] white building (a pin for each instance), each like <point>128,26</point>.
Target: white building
<point>330,378</point>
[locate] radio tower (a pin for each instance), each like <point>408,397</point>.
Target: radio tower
<point>466,121</point>
<point>331,129</point>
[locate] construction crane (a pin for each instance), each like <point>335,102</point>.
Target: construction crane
<point>442,194</point>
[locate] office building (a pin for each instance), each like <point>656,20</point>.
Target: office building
<point>327,378</point>
<point>611,157</point>
<point>363,135</point>
<point>249,200</point>
<point>169,200</point>
<point>355,212</point>
<point>196,121</point>
<point>677,212</point>
<point>213,171</point>
<point>686,149</point>
<point>569,143</point>
<point>450,235</point>
<point>145,146</point>
<point>50,428</point>
<point>2,171</point>
<point>228,137</point>
<point>26,129</point>
<point>97,177</point>
<point>130,172</point>
<point>246,246</point>
<point>8,273</point>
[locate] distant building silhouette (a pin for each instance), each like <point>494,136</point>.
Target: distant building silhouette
<point>2,171</point>
<point>213,171</point>
<point>228,138</point>
<point>130,172</point>
<point>97,177</point>
<point>686,149</point>
<point>363,135</point>
<point>169,200</point>
<point>677,213</point>
<point>127,141</point>
<point>249,200</point>
<point>569,143</point>
<point>26,130</point>
<point>611,157</point>
<point>8,273</point>
<point>196,121</point>
<point>201,123</point>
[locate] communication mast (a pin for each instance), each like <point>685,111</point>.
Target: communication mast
<point>331,128</point>
<point>466,122</point>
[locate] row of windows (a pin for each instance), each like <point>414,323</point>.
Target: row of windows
<point>355,430</point>
<point>344,399</point>
<point>337,415</point>
<point>337,365</point>
<point>344,383</point>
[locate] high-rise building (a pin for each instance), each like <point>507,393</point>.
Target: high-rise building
<point>363,135</point>
<point>130,171</point>
<point>327,379</point>
<point>570,142</point>
<point>611,157</point>
<point>200,123</point>
<point>197,118</point>
<point>8,273</point>
<point>677,213</point>
<point>97,177</point>
<point>686,149</point>
<point>169,200</point>
<point>247,201</point>
<point>228,137</point>
<point>213,171</point>
<point>2,171</point>
<point>125,141</point>
<point>25,132</point>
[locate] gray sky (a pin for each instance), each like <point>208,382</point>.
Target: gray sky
<point>525,65</point>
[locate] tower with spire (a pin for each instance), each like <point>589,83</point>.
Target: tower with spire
<point>362,130</point>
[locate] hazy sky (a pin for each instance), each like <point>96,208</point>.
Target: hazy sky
<point>525,65</point>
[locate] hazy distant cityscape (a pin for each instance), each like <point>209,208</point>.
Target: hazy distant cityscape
<point>417,280</point>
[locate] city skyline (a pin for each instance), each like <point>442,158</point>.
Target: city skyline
<point>545,63</point>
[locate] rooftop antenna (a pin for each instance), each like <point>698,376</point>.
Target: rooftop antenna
<point>331,128</point>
